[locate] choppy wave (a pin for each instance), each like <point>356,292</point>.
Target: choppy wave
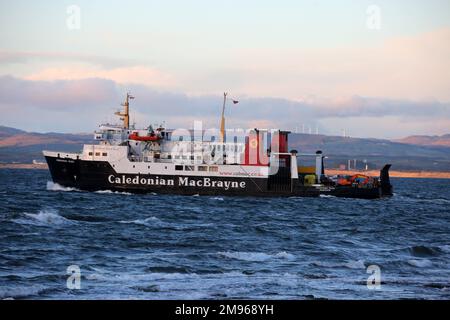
<point>155,222</point>
<point>113,192</point>
<point>424,251</point>
<point>52,186</point>
<point>420,263</point>
<point>21,292</point>
<point>148,288</point>
<point>256,256</point>
<point>353,264</point>
<point>175,247</point>
<point>423,198</point>
<point>150,276</point>
<point>436,285</point>
<point>145,222</point>
<point>86,218</point>
<point>167,269</point>
<point>46,217</point>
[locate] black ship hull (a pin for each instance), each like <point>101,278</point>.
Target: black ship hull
<point>100,175</point>
<point>354,192</point>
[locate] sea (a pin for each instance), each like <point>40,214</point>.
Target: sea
<point>63,243</point>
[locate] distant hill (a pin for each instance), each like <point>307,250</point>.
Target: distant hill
<point>24,147</point>
<point>443,140</point>
<point>8,132</point>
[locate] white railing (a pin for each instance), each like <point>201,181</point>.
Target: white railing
<point>58,154</point>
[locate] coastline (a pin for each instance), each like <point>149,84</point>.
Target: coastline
<point>40,166</point>
<point>373,173</point>
<point>393,173</point>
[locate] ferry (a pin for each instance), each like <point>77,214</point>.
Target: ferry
<point>164,161</point>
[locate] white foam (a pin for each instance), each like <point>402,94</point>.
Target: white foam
<point>155,222</point>
<point>104,191</point>
<point>256,256</point>
<point>358,264</point>
<point>285,255</point>
<point>193,285</point>
<point>217,198</point>
<point>327,196</point>
<point>52,186</point>
<point>422,263</point>
<point>139,278</point>
<point>20,292</point>
<point>145,222</point>
<point>43,218</point>
<point>113,192</point>
<point>353,264</point>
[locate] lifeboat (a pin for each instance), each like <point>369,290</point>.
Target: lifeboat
<point>137,137</point>
<point>359,179</point>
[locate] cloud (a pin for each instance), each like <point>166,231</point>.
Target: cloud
<point>124,75</point>
<point>53,66</point>
<point>82,103</point>
<point>60,95</point>
<point>357,106</point>
<point>23,57</point>
<point>414,67</point>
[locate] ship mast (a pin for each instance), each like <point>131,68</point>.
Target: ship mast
<point>125,116</point>
<point>222,121</point>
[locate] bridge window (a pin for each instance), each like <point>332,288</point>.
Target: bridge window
<point>97,154</point>
<point>189,168</point>
<point>178,167</point>
<point>90,153</point>
<point>104,154</point>
<point>202,168</point>
<point>213,169</point>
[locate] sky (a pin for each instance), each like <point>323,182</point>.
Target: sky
<point>372,68</point>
